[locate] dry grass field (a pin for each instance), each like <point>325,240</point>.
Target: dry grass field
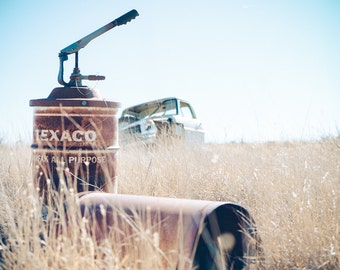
<point>292,189</point>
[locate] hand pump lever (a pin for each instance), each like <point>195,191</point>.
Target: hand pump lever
<point>76,77</point>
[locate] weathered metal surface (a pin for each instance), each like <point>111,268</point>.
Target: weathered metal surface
<point>75,127</point>
<point>75,140</point>
<point>191,232</point>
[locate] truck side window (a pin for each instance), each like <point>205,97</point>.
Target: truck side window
<point>186,110</point>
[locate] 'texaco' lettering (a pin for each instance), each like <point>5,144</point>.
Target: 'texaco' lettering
<point>74,136</point>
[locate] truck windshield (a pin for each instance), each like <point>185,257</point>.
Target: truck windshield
<point>153,109</point>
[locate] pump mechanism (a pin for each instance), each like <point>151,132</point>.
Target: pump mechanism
<point>76,78</point>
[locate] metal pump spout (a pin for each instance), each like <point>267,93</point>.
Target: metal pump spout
<point>76,77</point>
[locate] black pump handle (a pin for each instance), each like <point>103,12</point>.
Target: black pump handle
<point>81,43</point>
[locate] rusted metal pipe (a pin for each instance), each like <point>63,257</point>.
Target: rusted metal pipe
<point>197,233</point>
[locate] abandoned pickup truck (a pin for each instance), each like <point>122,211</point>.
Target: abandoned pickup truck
<point>168,117</point>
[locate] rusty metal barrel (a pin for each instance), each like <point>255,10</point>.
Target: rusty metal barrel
<point>194,233</point>
<point>75,136</point>
<point>75,141</point>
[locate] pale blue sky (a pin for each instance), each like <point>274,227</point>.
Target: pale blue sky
<point>254,70</point>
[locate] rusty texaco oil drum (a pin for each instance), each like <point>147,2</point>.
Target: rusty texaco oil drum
<point>75,141</point>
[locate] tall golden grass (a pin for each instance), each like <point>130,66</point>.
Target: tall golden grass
<point>291,189</point>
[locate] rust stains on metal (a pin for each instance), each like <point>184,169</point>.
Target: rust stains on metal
<point>192,232</point>
<point>75,140</point>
